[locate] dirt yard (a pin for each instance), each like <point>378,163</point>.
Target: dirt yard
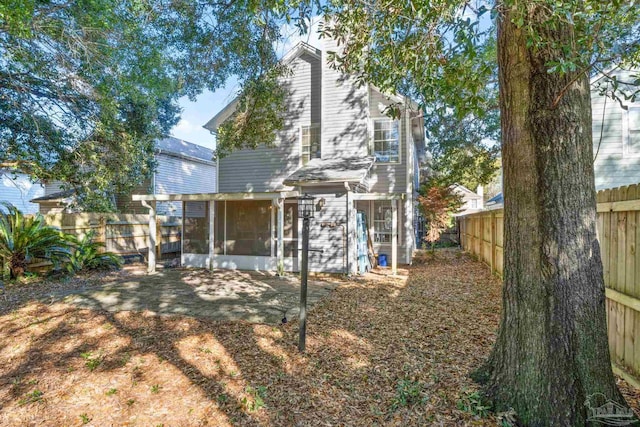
<point>380,351</point>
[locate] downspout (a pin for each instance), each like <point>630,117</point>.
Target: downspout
<point>348,214</point>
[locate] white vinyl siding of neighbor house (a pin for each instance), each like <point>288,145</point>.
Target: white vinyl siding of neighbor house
<point>18,189</point>
<point>616,163</point>
<point>264,168</point>
<point>631,131</point>
<point>177,175</point>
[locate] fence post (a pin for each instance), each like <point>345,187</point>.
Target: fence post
<point>159,238</point>
<point>102,231</point>
<point>493,241</point>
<point>481,245</point>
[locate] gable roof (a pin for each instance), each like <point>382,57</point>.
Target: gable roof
<point>184,149</point>
<point>461,189</point>
<point>295,52</point>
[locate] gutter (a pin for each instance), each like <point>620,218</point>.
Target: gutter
<point>185,157</point>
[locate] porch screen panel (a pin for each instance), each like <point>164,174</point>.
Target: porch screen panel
<point>218,229</point>
<point>196,228</point>
<point>248,228</point>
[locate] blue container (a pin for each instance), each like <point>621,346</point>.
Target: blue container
<point>382,260</point>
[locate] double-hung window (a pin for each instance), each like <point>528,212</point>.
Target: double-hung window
<point>310,143</point>
<point>632,146</point>
<point>386,141</point>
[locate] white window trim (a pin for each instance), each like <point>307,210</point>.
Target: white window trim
<point>372,146</point>
<point>301,128</point>
<point>626,153</point>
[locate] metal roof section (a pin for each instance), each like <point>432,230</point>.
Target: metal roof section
<point>331,171</point>
<point>60,196</point>
<point>184,149</point>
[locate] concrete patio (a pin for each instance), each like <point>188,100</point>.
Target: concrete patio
<point>221,295</point>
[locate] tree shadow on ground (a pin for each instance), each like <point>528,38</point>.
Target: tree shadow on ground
<point>379,352</point>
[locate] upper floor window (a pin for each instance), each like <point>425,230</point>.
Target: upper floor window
<point>633,132</point>
<point>386,141</point>
<point>311,143</point>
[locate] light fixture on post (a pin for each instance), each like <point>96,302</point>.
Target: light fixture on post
<point>306,206</point>
<point>305,211</point>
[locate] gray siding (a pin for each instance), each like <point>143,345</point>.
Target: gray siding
<point>327,232</point>
<point>176,175</point>
<point>614,166</point>
<point>319,94</point>
<point>264,168</point>
<point>52,187</point>
<point>345,124</point>
<point>18,189</point>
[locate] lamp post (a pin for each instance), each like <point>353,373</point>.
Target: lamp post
<point>305,211</point>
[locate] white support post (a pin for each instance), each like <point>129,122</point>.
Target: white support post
<point>212,242</point>
<point>280,249</point>
<point>394,237</point>
<point>152,235</point>
<point>353,228</point>
<point>272,226</point>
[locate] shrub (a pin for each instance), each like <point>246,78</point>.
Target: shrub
<point>408,394</point>
<point>88,255</point>
<point>473,403</point>
<point>25,238</point>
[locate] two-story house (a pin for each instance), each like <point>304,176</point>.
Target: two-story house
<point>181,167</point>
<point>337,145</point>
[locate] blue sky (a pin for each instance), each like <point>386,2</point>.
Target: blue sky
<point>208,104</point>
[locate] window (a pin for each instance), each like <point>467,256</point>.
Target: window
<point>310,143</point>
<point>474,204</point>
<point>633,133</point>
<point>382,221</point>
<point>386,141</point>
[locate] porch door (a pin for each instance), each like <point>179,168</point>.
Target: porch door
<point>290,232</point>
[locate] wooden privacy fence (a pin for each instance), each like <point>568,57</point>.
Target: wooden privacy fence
<point>618,226</point>
<point>125,234</point>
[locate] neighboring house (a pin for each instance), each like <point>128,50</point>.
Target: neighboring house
<point>18,189</point>
<point>616,135</point>
<point>338,146</point>
<point>182,167</point>
<point>471,202</point>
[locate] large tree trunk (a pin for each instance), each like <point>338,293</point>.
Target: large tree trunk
<point>552,349</point>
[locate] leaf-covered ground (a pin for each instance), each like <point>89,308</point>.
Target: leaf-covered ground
<point>380,351</point>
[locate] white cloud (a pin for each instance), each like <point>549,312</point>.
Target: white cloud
<point>184,126</point>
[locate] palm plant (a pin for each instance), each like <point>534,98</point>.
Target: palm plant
<point>89,255</point>
<point>25,238</point>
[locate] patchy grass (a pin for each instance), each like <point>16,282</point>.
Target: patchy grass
<point>380,351</point>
